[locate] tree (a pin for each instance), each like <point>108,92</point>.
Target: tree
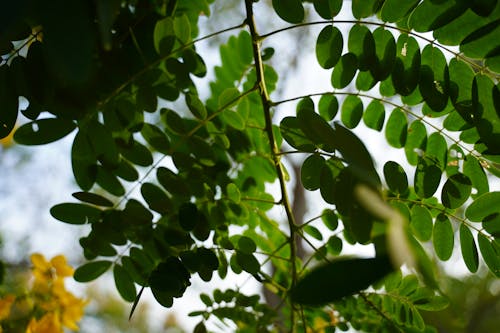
<point>121,74</point>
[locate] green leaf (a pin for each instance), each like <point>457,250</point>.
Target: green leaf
<point>374,115</point>
<point>364,8</point>
<point>83,161</point>
<point>421,223</point>
<point>482,42</point>
<point>156,138</point>
<point>469,249</point>
<point>246,245</point>
<point>334,245</point>
<point>328,106</point>
<point>188,216</point>
<point>289,128</point>
<point>182,28</point>
<point>443,237</point>
<point>103,144</point>
<point>196,106</point>
<point>490,254</point>
<point>91,271</point>
<point>476,174</point>
<point>385,46</point>
<point>329,46</point>
<point>430,15</point>
<point>75,213</point>
<point>248,262</point>
<point>311,171</point>
<point>314,127</point>
<point>233,119</point>
<point>483,206</point>
<point>456,191</point>
<point>406,71</point>
<point>233,193</point>
<point>326,285</point>
<point>291,11</point>
<point>10,102</point>
<point>395,176</point>
<point>345,70</point>
<point>352,111</point>
<point>93,198</point>
<point>164,36</point>
<point>124,283</point>
<point>228,97</point>
<point>330,219</point>
<point>396,129</point>
<point>394,10</point>
<point>200,328</point>
<point>137,153</point>
<point>362,45</point>
<point>43,131</point>
<point>427,178</point>
<point>313,232</point>
<point>327,9</point>
<point>416,141</point>
<point>434,78</point>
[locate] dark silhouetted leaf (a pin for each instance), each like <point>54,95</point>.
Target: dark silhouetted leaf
<point>395,176</point>
<point>326,284</point>
<point>311,171</point>
<point>124,283</point>
<point>43,131</point>
<point>291,11</point>
<point>327,9</point>
<point>91,271</point>
<point>456,191</point>
<point>156,138</point>
<point>93,198</point>
<point>75,213</point>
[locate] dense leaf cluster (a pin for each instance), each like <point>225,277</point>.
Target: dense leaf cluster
<point>121,74</point>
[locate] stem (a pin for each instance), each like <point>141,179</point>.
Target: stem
<point>275,152</point>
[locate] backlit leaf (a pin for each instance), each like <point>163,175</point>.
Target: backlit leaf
<point>394,10</point>
<point>327,9</point>
<point>325,284</point>
<point>291,11</point>
<point>352,111</point>
<point>421,223</point>
<point>124,283</point>
<point>396,129</point>
<point>75,213</point>
<point>456,191</point>
<point>196,106</point>
<point>483,206</point>
<point>43,131</point>
<point>490,254</point>
<point>469,249</point>
<point>443,237</point>
<point>427,178</point>
<point>395,177</point>
<point>328,106</point>
<point>91,271</point>
<point>374,115</point>
<point>345,70</point>
<point>329,46</point>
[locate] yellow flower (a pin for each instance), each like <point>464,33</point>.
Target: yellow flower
<point>61,266</point>
<point>49,323</point>
<point>44,270</point>
<point>5,305</point>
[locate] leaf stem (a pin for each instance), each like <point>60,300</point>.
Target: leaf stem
<point>266,104</point>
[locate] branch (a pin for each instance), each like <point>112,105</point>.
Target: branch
<point>266,104</point>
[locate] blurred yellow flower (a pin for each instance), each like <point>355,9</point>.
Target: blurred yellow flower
<point>5,305</point>
<point>49,323</point>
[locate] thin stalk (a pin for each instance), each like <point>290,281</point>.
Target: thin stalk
<point>275,152</point>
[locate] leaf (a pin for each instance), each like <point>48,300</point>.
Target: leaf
<point>75,213</point>
<point>427,178</point>
<point>476,174</point>
<point>182,28</point>
<point>364,8</point>
<point>416,141</point>
<point>483,206</point>
<point>83,161</point>
<point>421,223</point>
<point>10,102</point>
<point>330,219</point>
<point>93,198</point>
<point>289,128</point>
<point>248,262</point>
<point>91,270</point>
<point>481,42</point>
<point>345,70</point>
<point>233,193</point>
<point>43,131</point>
<point>374,115</point>
<point>228,97</point>
<point>385,47</point>
<point>396,128</point>
<point>314,127</point>
<point>406,71</point>
<point>456,191</point>
<point>196,106</point>
<point>327,9</point>
<point>490,254</point>
<point>246,245</point>
<point>103,144</point>
<point>362,45</point>
<point>395,177</point>
<point>352,111</point>
<point>156,138</point>
<point>124,283</point>
<point>233,119</point>
<point>291,11</point>
<point>469,249</point>
<point>188,216</point>
<point>137,153</point>
<point>329,46</point>
<point>313,232</point>
<point>430,15</point>
<point>164,36</point>
<point>311,171</point>
<point>434,78</point>
<point>325,285</point>
<point>328,106</point>
<point>443,237</point>
<point>334,245</point>
<point>394,10</point>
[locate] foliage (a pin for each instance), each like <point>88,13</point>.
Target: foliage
<point>47,307</point>
<point>126,86</point>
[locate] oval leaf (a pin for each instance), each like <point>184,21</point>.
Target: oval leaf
<point>396,128</point>
<point>75,213</point>
<point>91,271</point>
<point>421,223</point>
<point>311,171</point>
<point>291,11</point>
<point>469,249</point>
<point>43,131</point>
<point>442,237</point>
<point>124,283</point>
<point>329,46</point>
<point>484,206</point>
<point>456,191</point>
